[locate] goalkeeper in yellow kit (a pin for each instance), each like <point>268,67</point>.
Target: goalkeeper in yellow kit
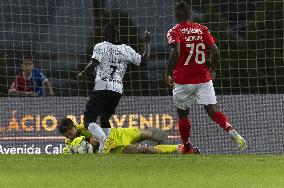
<point>120,140</point>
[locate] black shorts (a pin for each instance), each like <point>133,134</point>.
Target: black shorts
<point>101,102</point>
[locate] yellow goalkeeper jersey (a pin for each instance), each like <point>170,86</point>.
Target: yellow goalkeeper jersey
<point>117,140</point>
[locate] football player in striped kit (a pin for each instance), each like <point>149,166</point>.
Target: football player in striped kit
<point>110,59</point>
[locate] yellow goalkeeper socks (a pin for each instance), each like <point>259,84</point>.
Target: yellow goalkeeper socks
<point>166,148</point>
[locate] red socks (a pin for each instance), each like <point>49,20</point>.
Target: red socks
<point>184,128</point>
<point>222,120</point>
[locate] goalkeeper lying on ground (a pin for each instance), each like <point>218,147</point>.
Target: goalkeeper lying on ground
<point>120,140</point>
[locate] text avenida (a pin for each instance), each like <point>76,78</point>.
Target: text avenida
<point>32,149</point>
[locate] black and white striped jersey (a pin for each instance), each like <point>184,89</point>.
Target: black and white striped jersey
<point>113,60</point>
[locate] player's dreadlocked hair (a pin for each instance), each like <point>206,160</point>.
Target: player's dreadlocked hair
<point>64,125</point>
<point>182,11</point>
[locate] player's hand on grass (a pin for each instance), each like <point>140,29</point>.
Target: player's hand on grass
<point>147,36</point>
<point>169,81</point>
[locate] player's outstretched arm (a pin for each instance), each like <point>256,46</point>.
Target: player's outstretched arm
<point>146,54</point>
<point>91,65</point>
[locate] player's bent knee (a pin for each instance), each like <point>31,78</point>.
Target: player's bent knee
<point>146,134</point>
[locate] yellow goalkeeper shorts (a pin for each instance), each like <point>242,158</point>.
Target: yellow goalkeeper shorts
<point>120,138</point>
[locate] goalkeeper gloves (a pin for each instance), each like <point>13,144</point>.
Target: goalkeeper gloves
<point>80,145</point>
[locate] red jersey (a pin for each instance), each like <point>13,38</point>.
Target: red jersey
<point>22,84</point>
<point>194,39</point>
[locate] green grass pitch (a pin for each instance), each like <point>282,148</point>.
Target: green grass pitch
<point>145,171</point>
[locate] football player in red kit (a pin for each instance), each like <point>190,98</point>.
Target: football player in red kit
<point>190,77</point>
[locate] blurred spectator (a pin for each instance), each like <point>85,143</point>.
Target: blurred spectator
<point>31,82</point>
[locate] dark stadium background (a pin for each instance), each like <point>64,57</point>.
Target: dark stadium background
<point>60,35</point>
